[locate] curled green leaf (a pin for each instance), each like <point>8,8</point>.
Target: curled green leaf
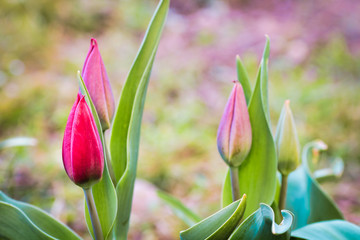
<point>333,172</point>
<point>305,198</point>
<point>261,225</point>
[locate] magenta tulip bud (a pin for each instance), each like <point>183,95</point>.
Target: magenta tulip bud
<point>234,135</point>
<point>82,150</point>
<point>98,85</point>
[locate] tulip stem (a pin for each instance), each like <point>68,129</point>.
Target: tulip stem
<point>95,221</point>
<point>283,189</point>
<point>235,189</point>
<point>108,162</point>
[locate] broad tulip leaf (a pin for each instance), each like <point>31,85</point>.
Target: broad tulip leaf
<point>104,191</point>
<point>218,226</point>
<point>20,220</point>
<point>18,142</point>
<point>179,209</point>
<point>328,230</point>
<point>304,195</point>
<point>125,135</point>
<point>261,225</point>
<point>243,78</point>
<point>257,175</point>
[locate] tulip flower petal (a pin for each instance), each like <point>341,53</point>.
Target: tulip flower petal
<point>66,149</point>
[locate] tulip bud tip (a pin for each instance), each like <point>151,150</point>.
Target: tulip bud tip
<point>287,105</point>
<point>93,42</point>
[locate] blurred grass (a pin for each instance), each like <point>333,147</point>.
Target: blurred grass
<point>314,63</point>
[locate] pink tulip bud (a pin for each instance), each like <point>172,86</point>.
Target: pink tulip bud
<point>234,135</point>
<point>98,85</point>
<point>82,150</point>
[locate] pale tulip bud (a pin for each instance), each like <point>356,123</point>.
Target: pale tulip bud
<point>287,142</point>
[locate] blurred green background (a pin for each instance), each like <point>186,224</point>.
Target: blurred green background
<point>314,62</point>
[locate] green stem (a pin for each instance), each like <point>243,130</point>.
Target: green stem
<point>284,183</point>
<point>108,162</point>
<point>95,221</point>
<point>235,189</point>
<point>277,212</point>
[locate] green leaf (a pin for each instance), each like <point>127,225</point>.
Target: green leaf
<point>304,195</point>
<point>179,209</point>
<point>104,192</point>
<point>328,230</point>
<point>243,79</point>
<point>261,225</point>
<point>258,172</point>
<point>218,226</point>
<point>125,135</point>
<point>24,221</point>
<point>265,80</point>
<point>18,142</point>
<point>334,172</point>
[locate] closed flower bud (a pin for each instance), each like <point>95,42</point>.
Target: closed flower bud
<point>287,142</point>
<point>234,135</point>
<point>98,85</point>
<point>82,150</point>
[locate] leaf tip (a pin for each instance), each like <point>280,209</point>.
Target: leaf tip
<point>267,38</point>
<point>244,197</point>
